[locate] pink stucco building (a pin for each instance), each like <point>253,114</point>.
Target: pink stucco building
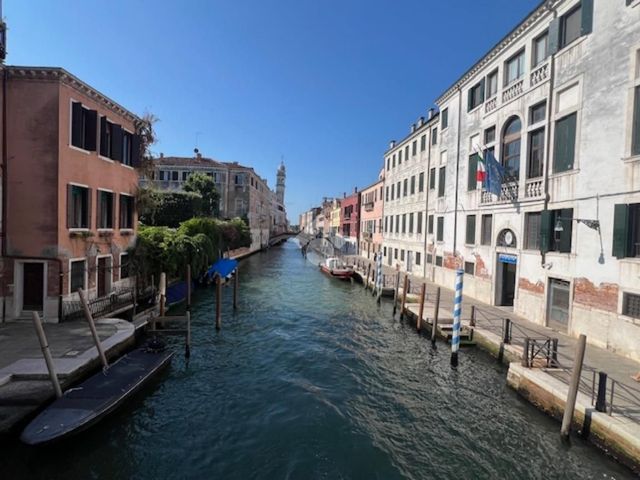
<point>371,218</point>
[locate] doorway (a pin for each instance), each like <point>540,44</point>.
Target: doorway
<point>104,276</point>
<point>33,286</point>
<point>558,304</point>
<point>506,280</point>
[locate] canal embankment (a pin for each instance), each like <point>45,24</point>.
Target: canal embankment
<point>539,360</point>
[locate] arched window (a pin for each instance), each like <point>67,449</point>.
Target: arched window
<point>511,149</point>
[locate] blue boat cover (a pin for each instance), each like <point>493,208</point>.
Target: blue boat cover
<point>223,267</point>
<point>176,292</point>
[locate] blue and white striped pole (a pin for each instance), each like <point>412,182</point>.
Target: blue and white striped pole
<point>457,312</point>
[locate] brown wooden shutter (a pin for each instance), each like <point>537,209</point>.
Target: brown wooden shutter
<point>116,142</point>
<point>89,206</point>
<point>70,206</point>
<point>104,148</point>
<point>91,130</point>
<point>136,151</point>
<point>76,124</point>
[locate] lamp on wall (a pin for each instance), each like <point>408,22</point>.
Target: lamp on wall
<point>592,224</point>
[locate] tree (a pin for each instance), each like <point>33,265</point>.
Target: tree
<point>204,185</point>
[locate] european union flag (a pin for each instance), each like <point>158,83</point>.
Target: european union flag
<point>495,174</point>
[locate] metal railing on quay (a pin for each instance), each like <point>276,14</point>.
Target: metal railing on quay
<point>100,306</point>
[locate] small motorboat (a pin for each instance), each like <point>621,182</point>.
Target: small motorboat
<point>92,400</point>
<point>335,267</point>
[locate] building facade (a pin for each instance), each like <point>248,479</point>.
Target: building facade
<point>557,103</point>
<point>371,213</point>
<point>69,211</point>
<point>406,195</point>
<point>350,223</point>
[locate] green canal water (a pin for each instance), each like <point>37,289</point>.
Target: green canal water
<point>310,379</point>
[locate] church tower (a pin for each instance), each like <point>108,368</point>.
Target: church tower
<point>280,183</point>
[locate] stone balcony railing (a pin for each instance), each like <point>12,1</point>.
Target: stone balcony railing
<point>533,188</point>
<point>513,90</point>
<point>539,74</point>
<point>490,105</point>
<point>508,193</point>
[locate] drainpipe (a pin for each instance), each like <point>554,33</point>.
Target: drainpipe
<point>552,71</point>
<point>426,204</point>
<point>455,211</point>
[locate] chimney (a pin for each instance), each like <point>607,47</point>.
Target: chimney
<point>161,155</point>
<point>431,112</point>
<point>355,189</point>
<point>421,121</point>
<point>392,144</point>
<point>413,128</point>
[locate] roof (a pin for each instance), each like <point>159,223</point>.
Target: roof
<point>61,75</point>
<point>188,162</point>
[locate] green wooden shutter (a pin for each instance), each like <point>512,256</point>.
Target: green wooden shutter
<point>620,230</point>
<point>90,130</point>
<point>469,100</point>
<point>554,36</point>
<point>76,124</point>
<point>546,230</point>
<point>472,173</point>
<point>635,129</point>
<point>482,90</point>
<point>587,17</point>
<point>564,244</point>
<point>471,230</point>
<point>104,150</point>
<point>116,142</point>
<point>564,144</point>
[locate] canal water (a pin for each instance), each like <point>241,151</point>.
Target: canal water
<point>310,379</point>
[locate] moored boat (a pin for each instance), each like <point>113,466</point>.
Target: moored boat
<point>335,267</point>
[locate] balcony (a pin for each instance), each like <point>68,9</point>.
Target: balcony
<point>539,74</point>
<point>514,90</point>
<point>367,235</point>
<point>368,207</point>
<point>508,193</point>
<point>533,188</point>
<point>491,105</point>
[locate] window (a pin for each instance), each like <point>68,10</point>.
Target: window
<point>556,228</point>
<point>432,179</point>
<point>470,238</point>
<point>631,305</point>
<point>440,230</point>
<point>564,143</point>
<point>537,112</point>
<point>405,184</point>
<point>423,143</point>
<point>490,135</point>
<point>469,268</point>
<point>536,153</point>
<point>514,68</point>
<point>397,223</point>
<point>540,49</point>
<point>418,258</point>
<point>124,266</point>
<point>393,160</point>
<point>430,224</point>
<point>402,255</point>
<point>395,253</point>
<point>441,178</point>
<point>419,229</point>
<point>239,180</point>
<point>472,172</point>
<point>400,157</point>
<point>398,193</point>
<point>444,119</point>
<point>421,182</point>
<point>388,163</point>
<point>475,95</point>
<point>84,124</point>
<point>174,175</point>
<point>393,191</point>
<point>78,207</point>
<point>438,260</point>
<point>185,175</point>
<point>406,153</point>
<point>511,149</point>
<point>413,185</point>
<point>105,209</point>
<point>414,148</point>
<point>434,136</point>
<point>386,224</point>
<point>105,137</point>
<point>127,148</point>
<point>635,142</point>
<point>404,223</point>
<point>77,275</point>
<point>571,26</point>
<point>532,231</point>
<point>626,230</point>
<point>161,175</point>
<point>485,230</point>
<point>429,258</point>
<point>492,84</point>
<point>385,251</point>
<point>112,142</point>
<point>126,211</point>
<point>411,223</point>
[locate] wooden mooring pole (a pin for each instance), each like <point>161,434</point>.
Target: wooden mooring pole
<point>573,387</point>
<point>366,282</point>
<point>187,348</point>
<point>395,294</point>
<point>235,289</point>
<point>434,323</point>
<point>404,295</point>
<point>92,327</point>
<point>44,345</point>
<point>421,311</point>
<point>218,301</point>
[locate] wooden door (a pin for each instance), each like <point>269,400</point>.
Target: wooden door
<point>103,271</point>
<point>33,286</point>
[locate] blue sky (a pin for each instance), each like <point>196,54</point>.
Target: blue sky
<point>323,83</point>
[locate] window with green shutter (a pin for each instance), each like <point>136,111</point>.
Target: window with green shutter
<point>441,178</point>
<point>440,230</point>
<point>635,129</point>
<point>546,230</point>
<point>430,224</point>
<point>620,230</point>
<point>564,144</point>
<point>470,238</point>
<point>472,172</point>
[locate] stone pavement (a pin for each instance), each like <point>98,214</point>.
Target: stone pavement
<point>489,320</point>
<point>24,379</point>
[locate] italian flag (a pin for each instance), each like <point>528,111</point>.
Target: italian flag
<point>481,172</point>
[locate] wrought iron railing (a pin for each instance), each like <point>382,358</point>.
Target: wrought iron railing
<point>100,306</point>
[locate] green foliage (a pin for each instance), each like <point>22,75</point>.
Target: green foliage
<point>204,185</point>
<point>167,208</point>
<point>236,234</point>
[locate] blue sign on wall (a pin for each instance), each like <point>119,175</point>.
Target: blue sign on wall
<point>504,258</point>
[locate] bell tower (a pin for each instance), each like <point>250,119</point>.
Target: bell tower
<point>280,183</point>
